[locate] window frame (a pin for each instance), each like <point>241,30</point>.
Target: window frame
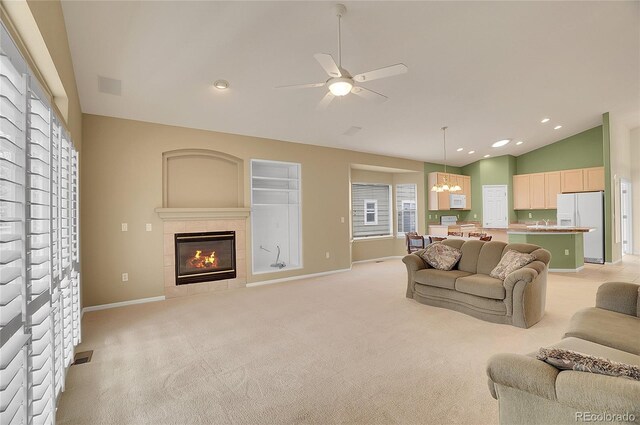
<point>400,212</point>
<point>367,211</point>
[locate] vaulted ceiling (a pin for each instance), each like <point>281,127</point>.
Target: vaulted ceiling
<point>487,70</point>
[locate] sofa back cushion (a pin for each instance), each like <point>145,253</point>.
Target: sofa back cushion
<point>454,243</point>
<point>490,255</point>
<point>470,253</point>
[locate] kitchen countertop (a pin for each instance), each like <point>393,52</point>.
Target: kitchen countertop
<point>549,229</point>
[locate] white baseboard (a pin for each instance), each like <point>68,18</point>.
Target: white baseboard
<point>287,279</point>
<point>393,257</point>
<point>613,262</point>
<point>567,270</point>
<point>123,303</point>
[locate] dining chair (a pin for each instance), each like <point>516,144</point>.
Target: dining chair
<point>414,242</point>
<point>477,234</point>
<point>455,234</point>
<point>433,239</point>
<point>485,238</point>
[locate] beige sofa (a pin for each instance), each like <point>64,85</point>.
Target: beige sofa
<point>519,300</point>
<point>530,391</point>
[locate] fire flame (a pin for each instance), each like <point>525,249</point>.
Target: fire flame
<point>199,261</point>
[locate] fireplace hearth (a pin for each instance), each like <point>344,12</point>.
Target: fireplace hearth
<point>206,256</point>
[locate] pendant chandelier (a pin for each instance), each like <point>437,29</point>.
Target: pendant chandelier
<point>446,185</point>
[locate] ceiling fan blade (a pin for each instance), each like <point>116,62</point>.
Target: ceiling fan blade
<point>368,94</point>
<point>326,100</point>
<point>387,71</point>
<point>301,86</point>
<point>328,64</point>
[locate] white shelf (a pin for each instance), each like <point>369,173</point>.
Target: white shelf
<point>275,178</point>
<point>274,190</point>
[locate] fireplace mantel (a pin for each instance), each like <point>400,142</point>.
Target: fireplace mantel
<point>202,213</point>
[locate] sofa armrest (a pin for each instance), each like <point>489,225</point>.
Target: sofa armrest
<point>413,263</point>
<point>620,297</point>
<point>601,393</point>
<point>526,292</point>
<point>523,373</point>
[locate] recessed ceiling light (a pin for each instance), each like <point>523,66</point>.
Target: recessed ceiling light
<point>557,127</point>
<point>460,149</point>
<point>500,143</point>
<point>519,143</point>
<point>221,84</point>
<point>487,156</point>
<point>545,120</point>
<point>470,152</point>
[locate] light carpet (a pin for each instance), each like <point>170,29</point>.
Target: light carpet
<point>344,348</point>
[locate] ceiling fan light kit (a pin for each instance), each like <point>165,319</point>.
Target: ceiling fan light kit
<point>340,82</point>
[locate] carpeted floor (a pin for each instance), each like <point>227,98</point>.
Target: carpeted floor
<point>345,348</point>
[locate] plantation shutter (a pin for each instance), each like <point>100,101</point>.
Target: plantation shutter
<point>66,285</point>
<point>13,335</point>
<point>39,264</point>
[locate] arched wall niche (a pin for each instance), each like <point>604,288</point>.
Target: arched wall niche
<point>202,178</point>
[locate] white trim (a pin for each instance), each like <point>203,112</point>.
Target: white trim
<point>300,277</point>
<point>375,212</point>
<point>608,263</point>
<point>566,270</point>
<point>372,238</point>
<point>123,303</point>
<point>392,257</point>
<point>202,213</point>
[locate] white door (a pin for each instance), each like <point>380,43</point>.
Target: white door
<point>495,206</point>
<point>626,212</point>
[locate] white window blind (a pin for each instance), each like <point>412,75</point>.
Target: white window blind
<point>39,257</point>
<point>13,332</point>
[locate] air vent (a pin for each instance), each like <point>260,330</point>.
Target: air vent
<point>109,86</point>
<point>83,357</point>
<point>352,131</point>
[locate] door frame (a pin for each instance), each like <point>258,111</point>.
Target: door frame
<point>626,208</point>
<point>506,204</point>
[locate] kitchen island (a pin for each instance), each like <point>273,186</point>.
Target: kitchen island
<point>566,244</point>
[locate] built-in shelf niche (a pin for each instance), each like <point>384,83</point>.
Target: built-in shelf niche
<point>275,217</point>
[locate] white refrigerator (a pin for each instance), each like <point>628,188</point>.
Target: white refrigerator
<point>585,210</point>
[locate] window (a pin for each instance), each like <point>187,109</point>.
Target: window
<point>40,296</point>
<point>371,210</point>
<point>406,207</point>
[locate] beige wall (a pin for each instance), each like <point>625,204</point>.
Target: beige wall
<point>122,182</point>
<point>635,183</point>
<point>374,248</point>
<point>621,160</point>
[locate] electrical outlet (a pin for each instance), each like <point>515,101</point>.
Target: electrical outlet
<point>566,252</point>
<point>475,216</point>
<point>436,216</point>
<point>429,216</point>
<point>125,227</point>
<point>530,216</point>
<point>148,227</point>
<point>125,277</point>
<point>327,255</point>
<point>341,219</point>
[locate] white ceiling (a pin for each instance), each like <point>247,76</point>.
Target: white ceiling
<point>488,70</point>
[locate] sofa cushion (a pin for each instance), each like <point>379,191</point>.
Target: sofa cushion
<point>572,360</point>
<point>510,262</point>
<point>482,286</point>
<point>439,278</point>
<point>490,255</point>
<point>598,350</point>
<point>606,327</point>
<point>470,252</point>
<point>441,256</point>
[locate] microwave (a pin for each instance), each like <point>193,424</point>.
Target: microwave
<point>457,201</point>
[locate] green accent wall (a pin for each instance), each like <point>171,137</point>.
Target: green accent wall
<point>539,215</point>
<point>606,155</point>
<point>556,244</point>
<point>581,150</point>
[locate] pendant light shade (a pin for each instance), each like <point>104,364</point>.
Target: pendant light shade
<point>446,185</point>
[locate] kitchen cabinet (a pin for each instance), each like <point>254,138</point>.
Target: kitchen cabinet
<point>572,180</point>
<point>440,200</point>
<point>537,191</point>
<point>552,189</point>
<point>521,192</point>
<point>593,179</point>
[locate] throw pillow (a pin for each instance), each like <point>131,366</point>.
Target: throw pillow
<point>441,256</point>
<point>512,261</point>
<point>571,360</point>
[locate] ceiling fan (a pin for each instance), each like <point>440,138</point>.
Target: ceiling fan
<point>341,82</point>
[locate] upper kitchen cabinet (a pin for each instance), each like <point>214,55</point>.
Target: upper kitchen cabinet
<point>440,200</point>
<point>552,189</point>
<point>572,180</point>
<point>521,189</point>
<point>593,179</point>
